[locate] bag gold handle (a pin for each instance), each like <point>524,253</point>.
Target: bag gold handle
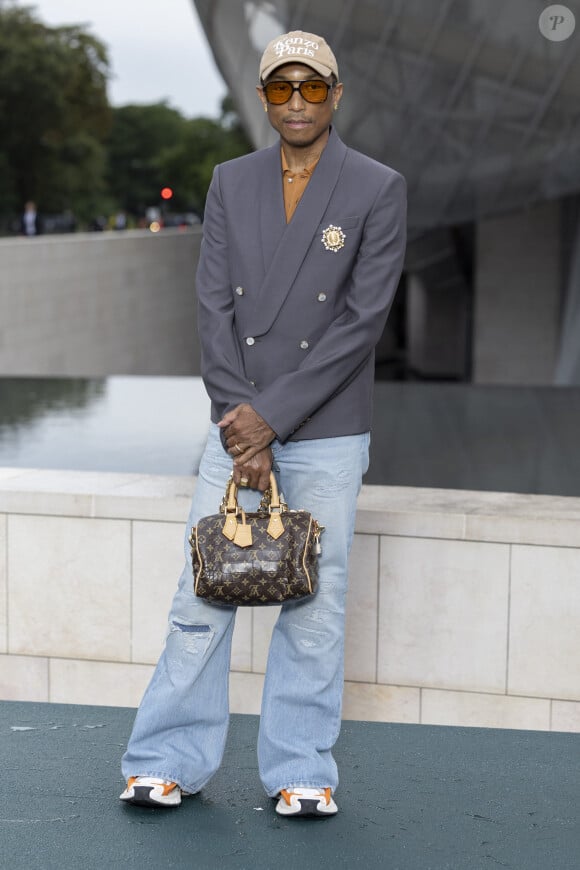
<point>270,502</point>
<point>270,499</point>
<point>275,508</point>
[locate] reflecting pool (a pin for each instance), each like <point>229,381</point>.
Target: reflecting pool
<point>458,436</point>
<point>154,425</point>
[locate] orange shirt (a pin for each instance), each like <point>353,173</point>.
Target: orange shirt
<point>294,185</point>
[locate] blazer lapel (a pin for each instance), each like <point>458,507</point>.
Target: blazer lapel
<point>285,253</point>
<point>271,203</point>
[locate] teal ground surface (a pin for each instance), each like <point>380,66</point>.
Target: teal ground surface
<point>412,797</point>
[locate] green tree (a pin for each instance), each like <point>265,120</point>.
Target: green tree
<point>189,164</point>
<point>54,115</point>
<point>155,146</point>
<point>140,135</point>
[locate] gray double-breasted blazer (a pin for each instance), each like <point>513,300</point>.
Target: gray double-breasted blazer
<point>288,323</point>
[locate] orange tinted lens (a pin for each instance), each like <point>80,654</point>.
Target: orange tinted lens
<point>314,92</point>
<point>278,92</point>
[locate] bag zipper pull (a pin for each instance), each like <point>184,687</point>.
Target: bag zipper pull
<point>318,530</point>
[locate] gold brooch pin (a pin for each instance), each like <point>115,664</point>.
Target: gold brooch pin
<point>333,238</point>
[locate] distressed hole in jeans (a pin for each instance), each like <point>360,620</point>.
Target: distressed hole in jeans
<point>333,483</point>
<point>312,638</point>
<point>196,636</point>
<point>317,615</point>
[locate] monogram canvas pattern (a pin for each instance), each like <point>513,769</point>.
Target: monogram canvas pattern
<point>268,572</point>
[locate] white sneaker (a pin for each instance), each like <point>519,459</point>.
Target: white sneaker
<point>306,802</point>
<point>149,791</point>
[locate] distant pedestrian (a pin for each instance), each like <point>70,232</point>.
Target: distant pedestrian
<point>120,221</point>
<point>30,223</point>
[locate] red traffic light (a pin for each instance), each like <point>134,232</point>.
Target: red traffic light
<point>166,193</point>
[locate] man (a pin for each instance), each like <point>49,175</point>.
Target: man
<point>302,252</point>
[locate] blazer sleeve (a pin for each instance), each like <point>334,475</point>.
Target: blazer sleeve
<point>345,346</point>
<point>222,365</point>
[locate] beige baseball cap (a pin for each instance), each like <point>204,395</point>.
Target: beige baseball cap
<point>298,47</point>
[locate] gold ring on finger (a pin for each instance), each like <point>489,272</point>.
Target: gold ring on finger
<point>243,481</point>
<point>238,448</point>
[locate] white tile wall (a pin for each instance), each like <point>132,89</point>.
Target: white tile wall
<point>566,716</point>
<point>362,610</point>
<point>427,617</point>
<point>408,510</point>
<point>147,497</point>
<point>374,703</point>
<point>525,529</point>
<point>157,562</point>
<point>3,586</point>
<point>443,614</point>
<point>246,693</point>
<point>484,711</point>
<point>101,683</point>
<point>23,678</point>
<point>544,652</point>
<point>69,587</point>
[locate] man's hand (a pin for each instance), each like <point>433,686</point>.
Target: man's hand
<point>256,471</point>
<point>246,433</point>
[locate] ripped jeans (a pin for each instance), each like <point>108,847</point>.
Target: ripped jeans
<point>181,725</point>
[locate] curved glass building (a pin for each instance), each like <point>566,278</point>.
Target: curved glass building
<point>477,103</point>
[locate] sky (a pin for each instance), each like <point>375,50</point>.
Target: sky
<point>157,50</point>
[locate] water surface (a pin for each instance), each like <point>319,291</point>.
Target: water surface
<point>458,436</point>
<point>154,425</point>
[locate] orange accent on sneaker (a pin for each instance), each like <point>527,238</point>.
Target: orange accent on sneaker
<point>288,794</point>
<point>130,781</point>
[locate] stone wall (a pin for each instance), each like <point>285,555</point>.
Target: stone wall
<point>99,304</point>
<point>463,606</point>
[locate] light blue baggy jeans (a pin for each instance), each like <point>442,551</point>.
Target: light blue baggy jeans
<point>181,725</point>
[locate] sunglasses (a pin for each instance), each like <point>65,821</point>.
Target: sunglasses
<point>313,91</point>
